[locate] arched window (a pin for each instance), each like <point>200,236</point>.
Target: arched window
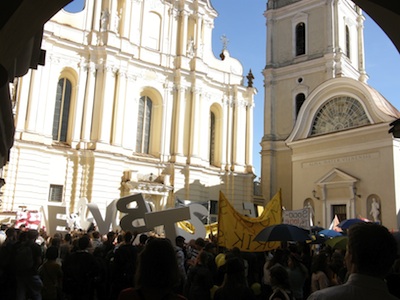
<point>152,34</point>
<point>300,98</point>
<point>212,139</point>
<point>300,39</point>
<point>347,42</point>
<point>143,125</point>
<point>339,113</point>
<point>61,110</point>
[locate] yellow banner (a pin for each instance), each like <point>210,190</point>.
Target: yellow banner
<point>237,230</point>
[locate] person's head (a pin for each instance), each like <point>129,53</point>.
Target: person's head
<point>199,243</point>
<point>110,236</point>
<point>157,266</point>
<point>128,237</point>
<point>33,234</point>
<point>279,277</point>
<point>294,260</point>
<point>180,241</point>
<point>96,235</point>
<point>83,242</point>
<point>11,233</point>
<point>320,262</point>
<point>203,258</point>
<point>52,253</point>
<point>371,249</point>
<point>211,247</point>
<point>143,238</point>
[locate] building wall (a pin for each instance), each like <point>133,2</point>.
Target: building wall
<point>347,166</point>
<point>114,53</point>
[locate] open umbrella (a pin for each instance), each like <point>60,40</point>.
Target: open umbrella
<point>345,224</point>
<point>329,233</point>
<point>339,242</point>
<point>283,233</point>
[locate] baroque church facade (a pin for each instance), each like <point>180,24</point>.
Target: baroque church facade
<point>131,99</point>
<point>326,142</point>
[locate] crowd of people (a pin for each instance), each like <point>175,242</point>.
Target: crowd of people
<point>126,266</point>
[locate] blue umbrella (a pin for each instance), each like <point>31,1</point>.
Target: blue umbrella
<point>345,224</point>
<point>283,233</point>
<point>329,233</point>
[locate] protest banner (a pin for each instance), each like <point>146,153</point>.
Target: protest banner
<point>299,218</point>
<point>237,230</point>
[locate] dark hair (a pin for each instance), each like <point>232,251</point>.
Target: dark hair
<point>200,242</point>
<point>320,263</point>
<point>52,253</point>
<point>143,238</point>
<point>83,242</point>
<point>157,268</point>
<point>128,237</point>
<point>373,248</point>
<point>279,277</point>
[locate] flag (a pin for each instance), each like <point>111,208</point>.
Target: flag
<point>334,224</point>
<point>237,230</point>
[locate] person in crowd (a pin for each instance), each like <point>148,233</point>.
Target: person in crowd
<point>319,272</point>
<point>51,274</point>
<point>195,247</point>
<point>3,236</point>
<point>275,258</point>
<point>96,239</point>
<point>234,286</point>
<point>27,256</point>
<point>199,279</point>
<point>393,279</point>
<point>157,273</point>
<point>279,279</point>
<point>142,242</point>
<point>371,252</point>
<point>107,249</point>
<point>65,247</point>
<point>80,272</point>
<point>124,264</point>
<point>8,283</point>
<point>298,274</point>
<point>181,259</point>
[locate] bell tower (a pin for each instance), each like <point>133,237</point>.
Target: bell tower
<point>308,43</point>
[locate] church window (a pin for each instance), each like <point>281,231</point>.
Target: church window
<point>56,193</point>
<point>61,110</point>
<point>212,138</point>
<point>300,98</point>
<point>347,42</point>
<point>300,39</point>
<point>143,125</point>
<point>339,113</point>
<point>153,31</point>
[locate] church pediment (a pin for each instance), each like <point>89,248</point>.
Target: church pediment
<point>336,177</point>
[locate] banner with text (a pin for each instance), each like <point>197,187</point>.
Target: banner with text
<point>299,218</point>
<point>237,230</point>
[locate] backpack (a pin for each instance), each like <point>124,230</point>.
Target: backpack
<point>23,258</point>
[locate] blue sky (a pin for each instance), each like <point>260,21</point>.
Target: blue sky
<point>243,24</point>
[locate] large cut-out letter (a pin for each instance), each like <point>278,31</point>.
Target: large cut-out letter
<point>168,218</point>
<point>132,214</point>
<point>56,219</point>
<point>103,226</point>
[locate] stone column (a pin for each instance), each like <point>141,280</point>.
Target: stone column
<point>119,114</point>
<point>107,105</point>
<point>88,105</point>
